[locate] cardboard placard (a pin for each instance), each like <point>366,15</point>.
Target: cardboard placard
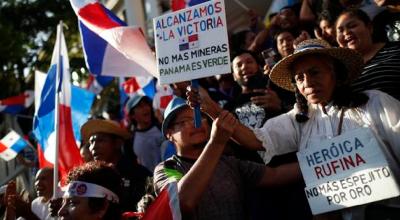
<point>346,171</point>
<point>192,43</point>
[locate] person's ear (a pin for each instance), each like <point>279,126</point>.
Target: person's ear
<point>169,135</point>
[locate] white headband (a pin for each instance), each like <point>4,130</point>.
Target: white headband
<point>85,189</point>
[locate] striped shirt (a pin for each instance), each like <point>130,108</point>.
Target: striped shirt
<point>382,72</point>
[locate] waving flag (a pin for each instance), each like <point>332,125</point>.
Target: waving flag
<point>111,48</point>
<point>44,120</point>
<point>81,104</point>
<point>11,145</point>
<point>166,205</point>
<point>16,104</point>
<point>142,85</point>
<point>162,98</point>
<point>97,83</point>
<point>181,4</point>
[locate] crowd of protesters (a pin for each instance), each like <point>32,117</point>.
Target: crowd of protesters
<point>317,70</point>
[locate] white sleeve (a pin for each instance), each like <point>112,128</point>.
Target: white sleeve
<point>384,111</point>
<point>279,135</point>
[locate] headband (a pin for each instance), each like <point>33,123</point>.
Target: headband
<point>85,189</point>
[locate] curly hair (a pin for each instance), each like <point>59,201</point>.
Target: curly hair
<point>102,174</point>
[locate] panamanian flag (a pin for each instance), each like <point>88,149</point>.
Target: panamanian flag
<point>44,119</point>
<point>166,205</point>
<point>189,42</point>
<point>16,104</point>
<point>111,48</point>
<point>11,145</point>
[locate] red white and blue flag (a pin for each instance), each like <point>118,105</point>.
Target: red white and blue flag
<point>141,85</point>
<point>189,42</point>
<point>96,83</point>
<point>166,205</point>
<point>181,4</point>
<point>162,97</point>
<point>18,103</point>
<point>110,47</point>
<point>11,145</point>
<point>44,120</point>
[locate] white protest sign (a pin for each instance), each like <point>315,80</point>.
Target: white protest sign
<point>345,171</point>
<point>192,43</point>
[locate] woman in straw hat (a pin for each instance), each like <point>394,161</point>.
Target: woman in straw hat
<point>327,111</point>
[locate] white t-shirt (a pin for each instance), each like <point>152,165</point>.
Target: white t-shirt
<point>41,209</point>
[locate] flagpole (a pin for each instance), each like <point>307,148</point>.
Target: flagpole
<point>241,5</point>
<point>57,110</point>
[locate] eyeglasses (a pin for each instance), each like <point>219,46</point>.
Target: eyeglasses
<point>185,122</point>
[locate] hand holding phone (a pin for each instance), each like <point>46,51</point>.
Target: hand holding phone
<point>269,57</point>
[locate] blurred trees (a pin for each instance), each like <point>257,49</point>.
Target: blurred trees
<point>28,31</point>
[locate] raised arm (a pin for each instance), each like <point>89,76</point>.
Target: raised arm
<point>193,184</point>
<point>283,174</point>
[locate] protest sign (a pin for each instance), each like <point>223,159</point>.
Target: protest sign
<point>192,43</point>
<point>346,171</point>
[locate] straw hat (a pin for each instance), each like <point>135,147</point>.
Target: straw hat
<point>95,126</point>
<point>281,74</point>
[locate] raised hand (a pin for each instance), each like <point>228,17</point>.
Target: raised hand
<point>223,128</point>
<point>269,100</point>
<point>200,97</point>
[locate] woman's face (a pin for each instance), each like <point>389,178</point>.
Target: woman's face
<point>328,30</point>
<point>353,33</point>
<point>284,43</point>
<point>142,113</point>
<point>77,208</point>
<point>315,78</point>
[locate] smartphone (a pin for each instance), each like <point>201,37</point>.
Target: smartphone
<point>257,81</point>
<point>269,57</point>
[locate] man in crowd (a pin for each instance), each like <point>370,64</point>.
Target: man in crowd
<point>106,139</point>
<point>147,137</point>
<point>210,185</point>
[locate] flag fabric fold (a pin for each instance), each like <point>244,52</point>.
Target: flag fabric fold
<point>166,205</point>
<point>11,145</point>
<point>44,119</point>
<point>18,103</point>
<point>111,48</point>
<point>96,83</point>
